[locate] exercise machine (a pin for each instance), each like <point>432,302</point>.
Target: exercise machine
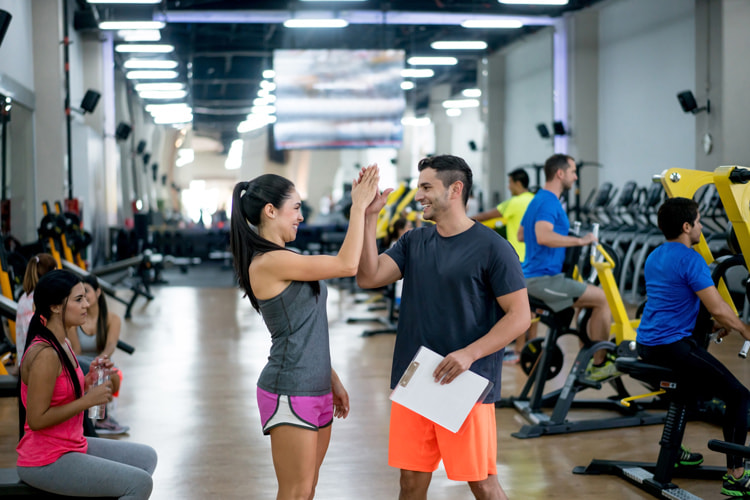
<point>543,359</point>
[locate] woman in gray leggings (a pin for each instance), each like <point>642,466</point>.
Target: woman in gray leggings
<point>53,454</point>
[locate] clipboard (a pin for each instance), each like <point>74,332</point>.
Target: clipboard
<point>446,405</point>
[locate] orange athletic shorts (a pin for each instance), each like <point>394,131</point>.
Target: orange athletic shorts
<point>417,444</point>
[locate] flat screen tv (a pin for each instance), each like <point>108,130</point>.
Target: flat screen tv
<point>338,98</point>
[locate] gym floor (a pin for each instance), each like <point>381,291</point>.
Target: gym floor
<point>189,391</point>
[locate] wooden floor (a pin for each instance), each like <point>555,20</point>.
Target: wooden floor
<point>189,391</point>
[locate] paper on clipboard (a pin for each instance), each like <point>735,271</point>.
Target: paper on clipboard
<point>447,405</point>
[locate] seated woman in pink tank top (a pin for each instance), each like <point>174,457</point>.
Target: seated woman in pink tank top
<point>53,454</point>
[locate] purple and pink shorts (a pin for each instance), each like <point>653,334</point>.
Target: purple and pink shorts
<point>308,412</point>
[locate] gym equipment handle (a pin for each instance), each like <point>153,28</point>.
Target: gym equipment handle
<point>123,346</point>
<point>739,176</point>
<point>745,348</point>
<point>724,447</point>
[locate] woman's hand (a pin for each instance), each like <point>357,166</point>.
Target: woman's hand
<point>365,187</point>
<point>340,398</point>
<point>99,394</point>
<point>101,362</point>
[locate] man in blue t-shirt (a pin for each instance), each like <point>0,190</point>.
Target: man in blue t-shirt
<point>465,298</point>
<point>677,281</point>
<point>544,229</point>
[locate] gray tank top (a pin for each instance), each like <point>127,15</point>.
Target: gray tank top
<point>88,342</point>
<point>300,359</point>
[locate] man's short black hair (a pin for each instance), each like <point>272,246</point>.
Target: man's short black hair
<point>450,169</point>
<point>554,163</point>
<point>674,213</point>
<point>520,175</point>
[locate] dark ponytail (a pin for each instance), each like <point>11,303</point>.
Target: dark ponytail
<point>248,201</point>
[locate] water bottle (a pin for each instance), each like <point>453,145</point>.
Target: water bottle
<point>98,412</point>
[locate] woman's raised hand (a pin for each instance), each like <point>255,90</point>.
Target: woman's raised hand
<point>365,187</point>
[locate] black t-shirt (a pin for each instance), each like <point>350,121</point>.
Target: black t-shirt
<point>450,292</point>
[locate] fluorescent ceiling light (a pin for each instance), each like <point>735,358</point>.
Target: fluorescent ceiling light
<point>265,84</point>
<point>140,47</point>
<point>159,86</point>
<point>492,24</point>
<point>432,61</point>
<point>417,73</point>
<point>234,156</point>
<point>407,85</point>
<point>461,103</point>
<point>166,109</point>
<point>151,75</point>
<point>140,35</point>
<point>265,109</point>
<point>316,23</point>
<point>131,25</point>
<point>126,1</point>
<point>172,119</point>
<point>453,112</point>
<point>459,45</point>
<point>471,92</point>
<point>254,122</point>
<point>269,74</point>
<point>535,2</point>
<point>162,94</point>
<point>413,120</point>
<point>149,64</point>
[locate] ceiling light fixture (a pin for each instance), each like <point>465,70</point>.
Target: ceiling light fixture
<point>141,87</point>
<point>149,64</point>
<point>145,48</point>
<point>459,45</point>
<point>417,73</point>
<point>254,122</point>
<point>471,92</point>
<point>316,23</point>
<point>461,103</point>
<point>453,112</point>
<point>432,61</point>
<point>407,85</point>
<point>492,23</point>
<point>131,25</point>
<point>140,35</point>
<point>269,74</point>
<point>162,94</point>
<point>534,2</point>
<point>151,75</point>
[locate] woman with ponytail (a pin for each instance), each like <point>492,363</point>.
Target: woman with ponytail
<point>298,391</point>
<point>38,266</point>
<point>53,454</point>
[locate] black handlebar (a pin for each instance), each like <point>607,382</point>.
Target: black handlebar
<point>739,176</point>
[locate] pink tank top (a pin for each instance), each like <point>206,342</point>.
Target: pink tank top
<point>45,446</point>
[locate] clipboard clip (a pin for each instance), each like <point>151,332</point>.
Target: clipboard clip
<point>408,374</point>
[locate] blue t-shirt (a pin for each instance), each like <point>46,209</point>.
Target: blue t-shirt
<point>674,273</point>
<point>450,292</point>
<point>542,260</point>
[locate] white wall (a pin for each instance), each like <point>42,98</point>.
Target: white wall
<point>528,101</point>
<point>646,56</point>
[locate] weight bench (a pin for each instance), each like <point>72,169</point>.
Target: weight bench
<point>137,288</point>
<point>656,478</point>
<point>11,487</point>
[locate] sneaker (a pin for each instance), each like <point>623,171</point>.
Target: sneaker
<point>605,371</point>
<point>687,458</point>
<point>511,357</point>
<point>110,427</point>
<point>736,487</point>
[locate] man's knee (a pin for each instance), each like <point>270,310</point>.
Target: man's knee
<point>488,489</point>
<point>414,484</point>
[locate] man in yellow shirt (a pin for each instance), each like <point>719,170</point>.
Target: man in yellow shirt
<point>512,209</point>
